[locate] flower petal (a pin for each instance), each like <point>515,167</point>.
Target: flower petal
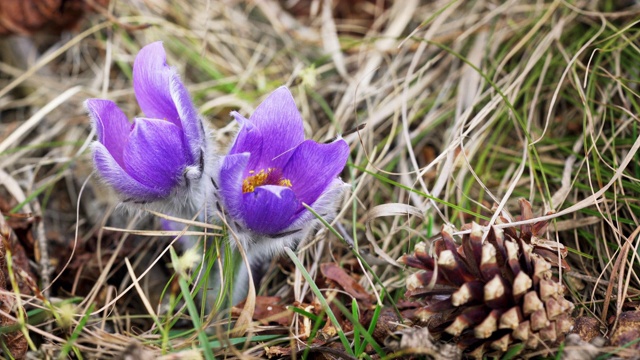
<point>231,177</point>
<point>249,140</point>
<point>280,124</point>
<point>151,84</point>
<point>191,123</point>
<point>314,166</point>
<point>325,205</point>
<point>113,174</point>
<point>269,209</point>
<point>111,124</point>
<point>155,154</point>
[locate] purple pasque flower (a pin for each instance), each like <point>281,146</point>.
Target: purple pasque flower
<point>148,159</point>
<point>271,170</point>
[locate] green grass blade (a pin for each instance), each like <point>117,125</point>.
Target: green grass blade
<point>68,346</point>
<point>321,299</point>
<point>193,311</point>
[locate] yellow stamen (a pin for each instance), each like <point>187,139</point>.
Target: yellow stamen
<point>268,177</point>
<point>251,182</point>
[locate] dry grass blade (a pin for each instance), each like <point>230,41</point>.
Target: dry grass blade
<point>243,324</point>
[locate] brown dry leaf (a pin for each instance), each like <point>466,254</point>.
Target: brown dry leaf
<point>627,331</point>
<point>14,341</point>
<point>20,243</point>
<point>339,276</point>
<point>25,277</point>
<point>587,327</point>
<point>268,311</point>
<point>426,156</point>
<point>387,323</point>
<point>26,17</point>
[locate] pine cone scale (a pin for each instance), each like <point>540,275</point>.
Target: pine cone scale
<point>502,290</point>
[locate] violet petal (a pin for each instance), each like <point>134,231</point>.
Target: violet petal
<point>248,140</point>
<point>111,124</point>
<point>231,178</point>
<point>155,154</point>
<point>328,201</point>
<point>314,166</point>
<point>151,84</point>
<point>280,124</point>
<point>269,209</point>
<point>113,174</point>
<point>191,125</point>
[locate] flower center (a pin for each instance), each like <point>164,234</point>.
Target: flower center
<point>270,176</point>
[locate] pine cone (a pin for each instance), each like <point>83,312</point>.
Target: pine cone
<point>492,294</point>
